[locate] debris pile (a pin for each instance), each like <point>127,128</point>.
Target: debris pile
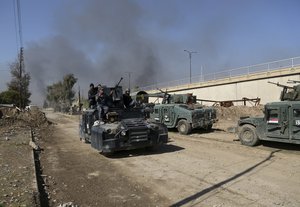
<point>234,113</point>
<point>13,115</point>
<point>229,116</point>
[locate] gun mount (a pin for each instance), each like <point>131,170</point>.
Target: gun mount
<point>288,93</point>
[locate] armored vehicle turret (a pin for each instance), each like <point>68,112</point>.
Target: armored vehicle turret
<point>289,93</point>
<point>123,128</point>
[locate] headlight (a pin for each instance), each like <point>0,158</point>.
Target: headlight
<point>123,133</point>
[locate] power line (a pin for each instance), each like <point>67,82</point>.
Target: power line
<point>16,27</point>
<point>20,22</point>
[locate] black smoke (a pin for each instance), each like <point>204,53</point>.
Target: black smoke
<point>99,42</point>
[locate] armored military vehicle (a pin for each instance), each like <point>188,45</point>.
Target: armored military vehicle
<point>178,111</point>
<point>123,128</point>
<point>280,123</point>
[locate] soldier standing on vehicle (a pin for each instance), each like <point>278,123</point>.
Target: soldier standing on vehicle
<point>92,96</point>
<point>102,103</point>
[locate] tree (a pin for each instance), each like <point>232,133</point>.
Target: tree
<point>61,95</point>
<point>9,97</point>
<point>19,83</point>
<point>68,82</point>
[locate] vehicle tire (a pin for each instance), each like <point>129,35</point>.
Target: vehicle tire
<point>248,135</point>
<point>184,127</point>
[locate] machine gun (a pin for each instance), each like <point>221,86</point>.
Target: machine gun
<point>166,96</point>
<point>286,95</point>
<point>119,82</point>
<point>280,85</point>
<point>115,93</point>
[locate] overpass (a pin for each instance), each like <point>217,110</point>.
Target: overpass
<point>250,82</point>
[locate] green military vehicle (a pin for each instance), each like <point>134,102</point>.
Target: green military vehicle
<point>179,111</point>
<point>281,121</point>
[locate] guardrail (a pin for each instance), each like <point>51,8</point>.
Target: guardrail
<point>247,70</point>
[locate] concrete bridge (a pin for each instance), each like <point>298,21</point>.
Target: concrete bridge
<point>249,85</point>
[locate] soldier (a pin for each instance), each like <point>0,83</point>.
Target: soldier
<point>92,96</point>
<point>128,102</point>
<point>102,103</point>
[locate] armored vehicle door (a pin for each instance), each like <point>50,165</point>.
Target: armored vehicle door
<point>164,114</point>
<point>277,122</point>
<point>167,115</point>
<point>295,122</point>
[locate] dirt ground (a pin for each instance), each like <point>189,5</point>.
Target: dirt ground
<point>18,186</point>
<point>201,169</point>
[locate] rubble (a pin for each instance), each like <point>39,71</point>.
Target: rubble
<point>234,113</point>
<point>12,115</point>
<point>229,116</point>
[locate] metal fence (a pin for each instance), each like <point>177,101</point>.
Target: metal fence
<point>247,70</point>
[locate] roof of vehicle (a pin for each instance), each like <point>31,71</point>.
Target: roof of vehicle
<point>282,103</point>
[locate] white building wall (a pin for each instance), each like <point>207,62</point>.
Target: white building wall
<point>233,91</point>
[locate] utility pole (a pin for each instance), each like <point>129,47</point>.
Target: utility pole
<point>21,59</point>
<point>190,56</point>
<point>202,79</point>
<point>129,75</point>
<point>79,99</point>
<point>18,21</point>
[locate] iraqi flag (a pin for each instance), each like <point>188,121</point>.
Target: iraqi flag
<point>273,121</point>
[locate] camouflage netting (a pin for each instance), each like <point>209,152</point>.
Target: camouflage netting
<point>32,118</point>
<point>235,112</point>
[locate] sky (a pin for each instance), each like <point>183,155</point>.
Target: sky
<point>100,41</point>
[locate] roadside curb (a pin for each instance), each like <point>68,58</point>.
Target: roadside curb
<point>36,193</point>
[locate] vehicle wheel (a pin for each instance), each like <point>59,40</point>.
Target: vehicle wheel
<point>184,127</point>
<point>248,135</point>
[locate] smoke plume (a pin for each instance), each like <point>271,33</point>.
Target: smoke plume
<point>99,43</point>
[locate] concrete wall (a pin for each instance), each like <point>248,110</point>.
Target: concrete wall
<point>249,86</point>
